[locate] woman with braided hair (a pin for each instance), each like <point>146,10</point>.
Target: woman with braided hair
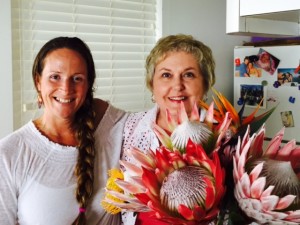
<point>54,168</point>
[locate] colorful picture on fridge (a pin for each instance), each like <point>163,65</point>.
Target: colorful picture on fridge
<point>267,61</point>
<point>287,118</point>
<point>253,95</point>
<point>247,68</point>
<point>287,76</point>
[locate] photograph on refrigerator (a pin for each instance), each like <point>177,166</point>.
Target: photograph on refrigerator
<point>267,61</point>
<point>288,77</point>
<point>253,95</point>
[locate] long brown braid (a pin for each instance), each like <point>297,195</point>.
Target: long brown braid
<point>85,165</point>
<point>84,126</point>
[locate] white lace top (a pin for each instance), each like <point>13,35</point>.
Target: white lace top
<point>37,181</point>
<point>139,134</point>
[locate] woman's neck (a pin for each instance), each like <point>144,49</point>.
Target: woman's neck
<point>61,133</point>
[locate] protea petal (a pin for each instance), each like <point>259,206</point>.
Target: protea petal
<point>128,187</point>
<point>162,162</point>
<point>146,160</point>
<point>294,216</point>
<point>182,115</point>
<point>285,202</point>
<point>274,144</point>
<point>257,187</point>
<point>209,118</point>
<point>131,168</point>
<point>256,148</point>
<point>172,123</point>
<point>269,202</point>
<point>125,198</point>
<point>150,181</point>
<point>195,113</point>
<point>268,191</point>
<point>255,172</point>
<point>162,136</point>
<point>284,153</point>
<point>210,193</point>
<point>186,212</point>
<point>245,185</point>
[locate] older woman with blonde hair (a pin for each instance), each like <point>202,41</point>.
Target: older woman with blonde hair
<point>179,69</point>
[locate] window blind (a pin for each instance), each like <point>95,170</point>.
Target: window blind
<point>120,34</point>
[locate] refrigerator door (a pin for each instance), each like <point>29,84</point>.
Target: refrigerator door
<point>275,84</point>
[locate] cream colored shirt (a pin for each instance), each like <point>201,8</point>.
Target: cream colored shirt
<point>37,181</point>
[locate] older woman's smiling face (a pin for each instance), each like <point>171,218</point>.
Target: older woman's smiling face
<point>177,79</point>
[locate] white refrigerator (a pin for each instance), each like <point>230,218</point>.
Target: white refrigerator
<point>270,76</point>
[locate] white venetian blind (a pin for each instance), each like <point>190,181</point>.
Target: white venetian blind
<point>120,34</point>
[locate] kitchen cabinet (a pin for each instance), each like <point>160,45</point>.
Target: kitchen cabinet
<point>265,18</point>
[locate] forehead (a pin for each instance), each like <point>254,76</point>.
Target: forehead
<point>176,54</point>
<point>64,56</point>
<point>65,52</point>
<point>64,59</point>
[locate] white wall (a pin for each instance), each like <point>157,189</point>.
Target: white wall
<point>6,86</point>
<point>206,21</point>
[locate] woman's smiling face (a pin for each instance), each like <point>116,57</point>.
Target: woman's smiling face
<point>177,78</point>
<point>63,83</point>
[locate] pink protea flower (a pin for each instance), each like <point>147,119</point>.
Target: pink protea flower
<point>181,181</point>
<point>267,183</point>
<point>181,188</point>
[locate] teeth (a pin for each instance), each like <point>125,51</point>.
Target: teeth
<point>177,98</point>
<point>63,100</point>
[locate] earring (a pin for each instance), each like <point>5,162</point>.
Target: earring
<point>205,98</point>
<point>39,100</point>
<point>153,99</point>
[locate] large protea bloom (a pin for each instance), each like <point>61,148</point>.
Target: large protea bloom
<point>267,183</point>
<point>179,182</point>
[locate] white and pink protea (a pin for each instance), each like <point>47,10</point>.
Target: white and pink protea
<point>207,133</point>
<point>267,183</point>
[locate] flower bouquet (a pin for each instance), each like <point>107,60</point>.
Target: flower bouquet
<point>204,174</point>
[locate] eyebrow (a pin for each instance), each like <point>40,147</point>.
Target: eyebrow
<point>189,68</point>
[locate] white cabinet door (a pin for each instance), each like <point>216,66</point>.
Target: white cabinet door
<point>263,18</point>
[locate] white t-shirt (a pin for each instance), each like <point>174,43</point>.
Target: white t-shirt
<point>37,181</point>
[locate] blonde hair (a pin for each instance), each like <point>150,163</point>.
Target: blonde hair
<point>188,44</point>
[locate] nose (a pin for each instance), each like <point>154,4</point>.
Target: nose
<point>178,83</point>
<point>66,85</point>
